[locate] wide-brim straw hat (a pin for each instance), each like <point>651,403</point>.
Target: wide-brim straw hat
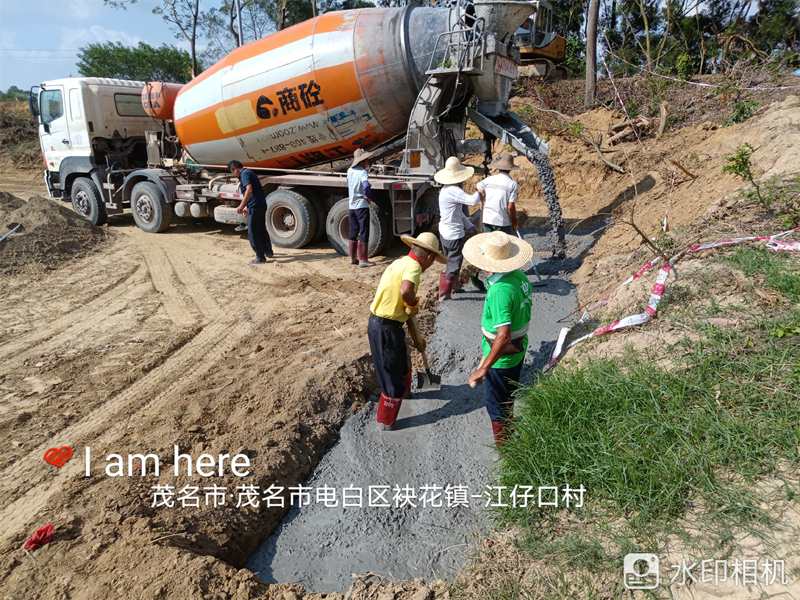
<point>428,241</point>
<point>361,155</point>
<point>504,163</point>
<point>497,252</point>
<point>453,172</point>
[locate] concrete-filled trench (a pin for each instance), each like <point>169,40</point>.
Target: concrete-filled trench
<point>441,439</point>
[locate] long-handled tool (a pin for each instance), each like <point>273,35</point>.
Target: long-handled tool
<point>425,379</point>
<point>540,283</point>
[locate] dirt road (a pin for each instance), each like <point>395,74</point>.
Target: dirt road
<point>158,340</point>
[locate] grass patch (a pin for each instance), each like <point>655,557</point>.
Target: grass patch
<point>652,446</point>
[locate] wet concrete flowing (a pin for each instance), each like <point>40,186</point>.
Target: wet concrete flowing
<point>441,439</point>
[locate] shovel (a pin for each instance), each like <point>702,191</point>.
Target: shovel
<point>540,283</point>
<point>425,379</point>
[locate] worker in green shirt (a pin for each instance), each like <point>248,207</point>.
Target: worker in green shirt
<point>506,315</point>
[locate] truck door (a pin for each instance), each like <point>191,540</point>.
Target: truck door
<point>54,132</point>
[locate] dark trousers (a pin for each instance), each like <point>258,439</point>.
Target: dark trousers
<point>452,250</point>
<point>257,232</point>
<point>488,228</point>
<point>359,224</point>
<point>500,385</point>
<point>387,342</point>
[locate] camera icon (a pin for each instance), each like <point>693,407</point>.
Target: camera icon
<point>640,571</point>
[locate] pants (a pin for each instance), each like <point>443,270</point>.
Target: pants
<point>500,385</point>
<point>488,228</point>
<point>389,355</point>
<point>359,224</point>
<point>257,232</point>
<point>452,251</point>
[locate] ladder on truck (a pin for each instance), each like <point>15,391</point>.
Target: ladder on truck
<point>457,54</point>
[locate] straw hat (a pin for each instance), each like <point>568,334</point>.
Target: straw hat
<point>428,241</point>
<point>504,163</point>
<point>361,155</point>
<point>453,172</point>
<point>497,252</point>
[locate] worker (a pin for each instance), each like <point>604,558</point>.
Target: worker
<point>500,210</point>
<point>360,198</point>
<point>506,315</point>
<point>453,223</point>
<point>395,300</point>
<point>254,207</point>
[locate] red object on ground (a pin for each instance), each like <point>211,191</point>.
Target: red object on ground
<point>40,538</point>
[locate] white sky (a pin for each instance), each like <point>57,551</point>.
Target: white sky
<point>39,39</point>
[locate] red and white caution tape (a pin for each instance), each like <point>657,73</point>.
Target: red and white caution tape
<point>636,275</point>
<point>658,289</point>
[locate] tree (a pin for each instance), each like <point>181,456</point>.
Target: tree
<point>591,54</point>
<point>183,17</point>
<point>140,63</point>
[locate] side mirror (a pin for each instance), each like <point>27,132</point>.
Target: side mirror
<point>33,105</point>
<point>46,127</point>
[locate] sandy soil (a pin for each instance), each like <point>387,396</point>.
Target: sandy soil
<point>160,340</point>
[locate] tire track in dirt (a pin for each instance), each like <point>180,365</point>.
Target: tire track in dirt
<point>76,327</point>
<point>162,274</point>
<point>106,424</point>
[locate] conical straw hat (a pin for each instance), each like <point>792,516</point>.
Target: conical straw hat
<point>453,172</point>
<point>504,163</point>
<point>497,252</point>
<point>428,241</point>
<point>361,155</point>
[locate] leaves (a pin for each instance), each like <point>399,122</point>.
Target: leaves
<point>141,63</point>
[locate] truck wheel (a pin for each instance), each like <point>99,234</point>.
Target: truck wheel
<point>338,228</point>
<point>291,219</point>
<point>150,209</point>
<point>384,207</point>
<point>228,214</point>
<point>86,201</point>
<point>319,208</point>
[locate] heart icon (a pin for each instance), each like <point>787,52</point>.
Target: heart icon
<point>58,456</point>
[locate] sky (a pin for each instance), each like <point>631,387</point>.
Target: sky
<point>40,39</point>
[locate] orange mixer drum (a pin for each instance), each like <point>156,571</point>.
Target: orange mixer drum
<point>158,99</point>
<point>311,93</point>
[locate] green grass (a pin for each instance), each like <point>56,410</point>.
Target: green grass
<point>778,270</point>
<point>649,444</point>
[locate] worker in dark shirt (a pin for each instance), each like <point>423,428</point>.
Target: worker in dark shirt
<point>254,207</point>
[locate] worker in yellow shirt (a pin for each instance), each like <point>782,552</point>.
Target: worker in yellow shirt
<point>395,300</point>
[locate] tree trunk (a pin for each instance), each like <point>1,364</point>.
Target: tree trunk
<point>591,54</point>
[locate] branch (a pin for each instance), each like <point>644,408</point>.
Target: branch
<point>586,137</point>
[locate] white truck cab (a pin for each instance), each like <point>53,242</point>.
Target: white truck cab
<point>91,130</point>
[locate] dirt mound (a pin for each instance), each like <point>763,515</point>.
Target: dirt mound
<point>48,235</point>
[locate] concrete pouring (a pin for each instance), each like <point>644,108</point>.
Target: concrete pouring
<point>441,439</point>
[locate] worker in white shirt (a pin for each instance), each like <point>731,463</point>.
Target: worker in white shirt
<point>500,210</point>
<point>453,223</point>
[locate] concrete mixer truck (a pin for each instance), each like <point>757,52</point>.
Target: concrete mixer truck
<point>402,81</point>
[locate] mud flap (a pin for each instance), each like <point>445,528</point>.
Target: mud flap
<point>511,130</point>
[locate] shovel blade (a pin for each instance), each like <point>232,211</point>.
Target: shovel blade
<point>428,381</point>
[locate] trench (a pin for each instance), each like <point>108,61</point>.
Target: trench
<point>441,439</point>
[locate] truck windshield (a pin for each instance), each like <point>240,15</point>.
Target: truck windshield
<point>129,105</point>
<point>52,106</point>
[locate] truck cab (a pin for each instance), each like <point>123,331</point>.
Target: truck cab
<point>91,130</point>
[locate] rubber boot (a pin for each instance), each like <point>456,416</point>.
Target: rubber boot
<point>407,381</point>
<point>353,252</point>
<point>502,430</point>
<point>388,408</point>
<point>363,255</point>
<point>446,283</point>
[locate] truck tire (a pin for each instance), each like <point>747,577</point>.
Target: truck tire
<point>384,207</point>
<point>228,214</point>
<point>87,202</point>
<point>319,208</point>
<point>291,219</point>
<point>338,228</point>
<point>150,209</point>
